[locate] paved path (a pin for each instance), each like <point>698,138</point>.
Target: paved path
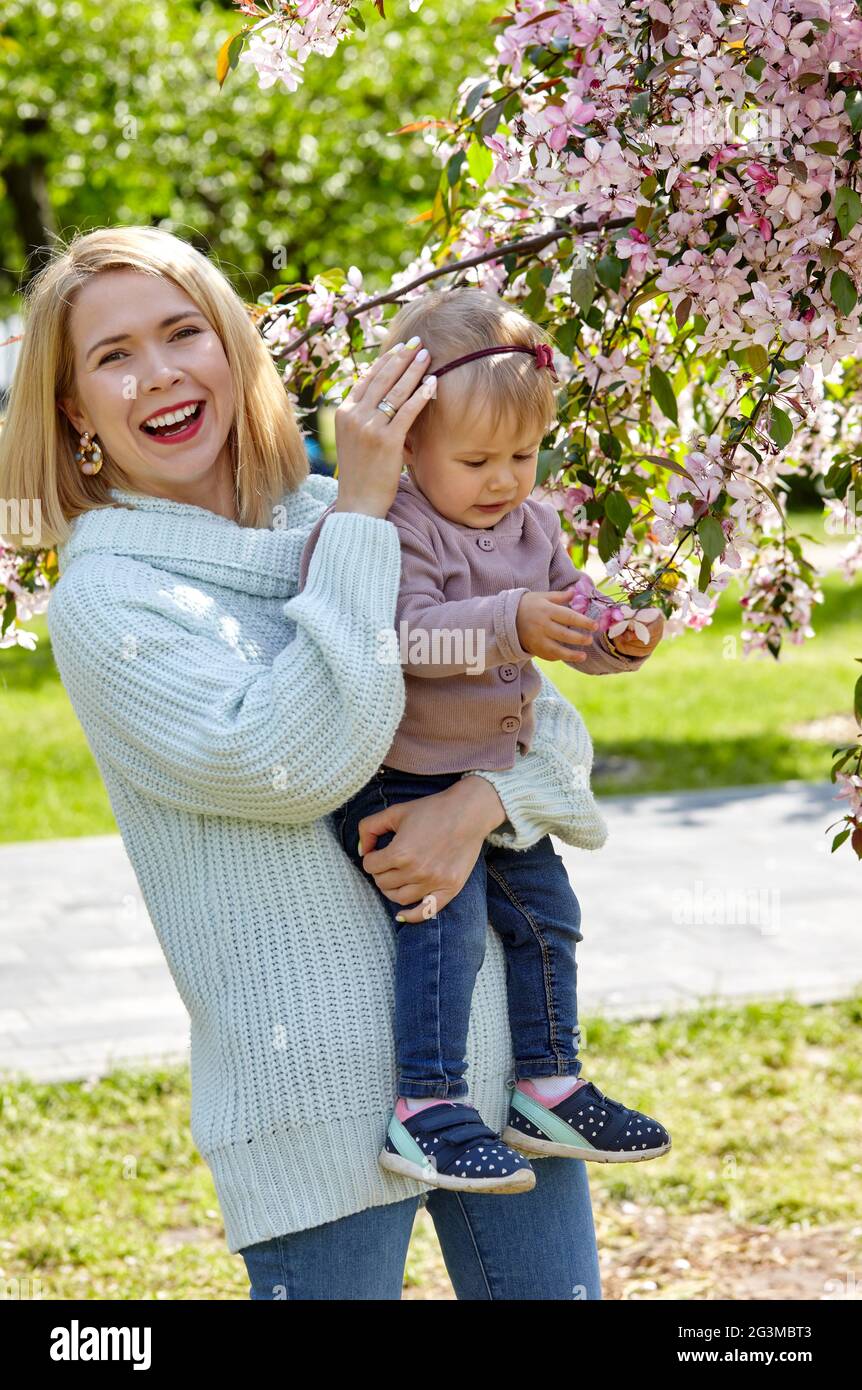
<point>723,895</point>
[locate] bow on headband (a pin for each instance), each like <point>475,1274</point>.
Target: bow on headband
<point>543,354</point>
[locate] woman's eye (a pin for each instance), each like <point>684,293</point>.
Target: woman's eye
<point>188,329</point>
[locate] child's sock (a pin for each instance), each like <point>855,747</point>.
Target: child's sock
<point>550,1090</point>
<point>408,1105</point>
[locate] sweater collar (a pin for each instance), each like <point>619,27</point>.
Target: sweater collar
<point>510,526</point>
<point>192,542</point>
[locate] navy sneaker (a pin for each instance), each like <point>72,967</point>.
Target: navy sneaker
<point>587,1124</point>
<point>450,1146</point>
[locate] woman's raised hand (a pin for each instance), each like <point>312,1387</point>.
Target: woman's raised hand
<point>369,444</point>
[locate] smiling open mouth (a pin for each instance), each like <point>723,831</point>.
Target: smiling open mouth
<point>175,422</point>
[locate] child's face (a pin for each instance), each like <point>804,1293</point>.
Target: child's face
<point>470,472</point>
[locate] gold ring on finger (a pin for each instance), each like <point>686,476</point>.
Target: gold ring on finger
<point>388,408</point>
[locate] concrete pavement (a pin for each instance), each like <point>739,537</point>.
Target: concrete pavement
<point>696,897</point>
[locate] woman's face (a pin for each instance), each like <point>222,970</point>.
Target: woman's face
<point>164,359</point>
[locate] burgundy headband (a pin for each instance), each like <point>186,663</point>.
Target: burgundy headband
<point>542,352</point>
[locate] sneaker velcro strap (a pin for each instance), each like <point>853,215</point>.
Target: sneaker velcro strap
<point>461,1123</point>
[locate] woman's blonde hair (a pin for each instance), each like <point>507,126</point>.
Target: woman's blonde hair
<point>454,322</point>
<point>37,440</point>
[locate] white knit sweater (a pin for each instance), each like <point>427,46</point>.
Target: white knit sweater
<point>229,715</point>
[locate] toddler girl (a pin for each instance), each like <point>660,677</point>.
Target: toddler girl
<point>485,584</point>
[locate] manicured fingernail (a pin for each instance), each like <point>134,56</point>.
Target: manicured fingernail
<point>359,847</point>
<point>429,387</point>
<point>422,355</point>
<point>396,346</point>
<point>399,918</point>
<point>414,341</point>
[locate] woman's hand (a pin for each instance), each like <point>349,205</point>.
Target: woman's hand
<point>435,847</point>
<point>370,445</point>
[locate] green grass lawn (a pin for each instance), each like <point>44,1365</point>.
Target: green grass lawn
<point>701,714</point>
<point>103,1195</point>
<point>697,715</point>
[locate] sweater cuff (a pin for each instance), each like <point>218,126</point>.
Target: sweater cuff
<point>506,626</point>
<point>354,560</point>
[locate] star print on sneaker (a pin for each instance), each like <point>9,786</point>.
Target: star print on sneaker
<point>450,1146</point>
<point>586,1124</point>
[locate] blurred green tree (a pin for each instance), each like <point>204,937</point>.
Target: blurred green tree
<point>111,113</point>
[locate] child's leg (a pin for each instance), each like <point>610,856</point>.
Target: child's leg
<point>534,910</point>
<point>437,959</point>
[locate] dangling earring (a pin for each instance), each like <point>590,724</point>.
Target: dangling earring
<point>89,455</point>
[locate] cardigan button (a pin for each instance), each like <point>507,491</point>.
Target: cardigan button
<point>510,724</point>
<point>485,542</point>
<point>508,673</point>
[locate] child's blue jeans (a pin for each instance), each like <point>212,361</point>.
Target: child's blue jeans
<point>530,903</point>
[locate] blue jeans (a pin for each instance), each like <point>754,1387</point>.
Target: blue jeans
<point>530,1245</point>
<point>530,903</point>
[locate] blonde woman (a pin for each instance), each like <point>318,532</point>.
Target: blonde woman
<point>228,715</point>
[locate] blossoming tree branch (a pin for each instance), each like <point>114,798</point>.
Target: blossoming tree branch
<point>671,191</point>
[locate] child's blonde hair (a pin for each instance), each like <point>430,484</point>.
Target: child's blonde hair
<point>37,440</point>
<point>454,322</point>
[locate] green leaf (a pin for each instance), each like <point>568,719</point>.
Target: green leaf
<point>480,161</point>
<point>704,574</point>
<point>842,292</point>
<point>781,427</point>
<point>609,540</point>
<point>711,537</point>
<point>453,168</point>
<point>840,838</point>
<point>610,447</point>
<point>857,701</point>
<point>848,208</point>
<point>475,96</point>
<point>619,511</point>
<point>566,335</point>
<point>584,287</point>
<point>228,55</point>
<point>491,118</point>
<point>837,478</point>
<point>663,393</point>
<point>609,272</point>
<point>758,358</point>
<point>853,108</point>
<point>549,461</point>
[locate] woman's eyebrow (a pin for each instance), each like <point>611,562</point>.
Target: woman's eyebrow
<point>165,323</point>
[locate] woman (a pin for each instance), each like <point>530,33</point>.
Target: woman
<point>224,710</point>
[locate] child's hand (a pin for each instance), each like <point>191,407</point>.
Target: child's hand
<point>549,628</point>
<point>627,640</point>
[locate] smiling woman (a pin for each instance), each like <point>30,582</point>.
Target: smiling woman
<point>125,332</point>
<point>230,715</point>
<point>159,377</point>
